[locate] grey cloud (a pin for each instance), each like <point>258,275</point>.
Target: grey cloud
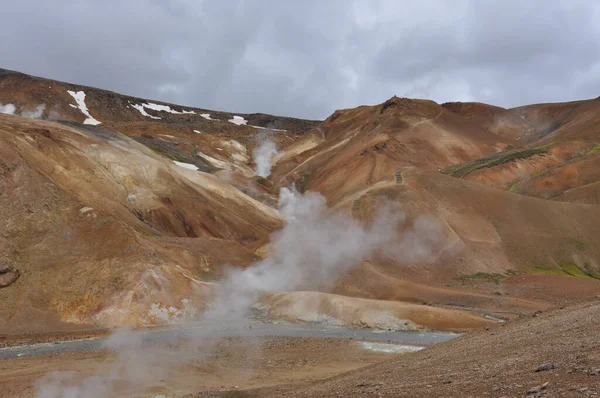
<point>308,58</point>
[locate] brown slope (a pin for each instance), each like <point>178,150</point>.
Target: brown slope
<point>568,136</point>
<point>106,232</point>
<point>481,236</point>
<point>180,136</point>
<point>499,362</point>
<point>361,146</point>
<point>505,123</point>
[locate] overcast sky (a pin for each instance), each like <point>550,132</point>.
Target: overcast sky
<point>306,58</point>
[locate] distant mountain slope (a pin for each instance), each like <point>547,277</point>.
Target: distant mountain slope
<point>124,211</point>
<point>361,146</point>
<point>559,157</point>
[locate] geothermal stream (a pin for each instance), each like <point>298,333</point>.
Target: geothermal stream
<point>377,340</point>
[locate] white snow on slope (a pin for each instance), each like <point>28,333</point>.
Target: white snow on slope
<point>141,109</point>
<point>9,109</point>
<point>157,107</point>
<point>238,120</point>
<point>206,116</point>
<point>265,128</point>
<point>160,108</point>
<point>186,165</point>
<point>79,97</point>
<point>197,132</point>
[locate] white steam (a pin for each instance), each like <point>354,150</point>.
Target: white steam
<point>312,250</point>
<point>263,156</point>
<point>8,109</point>
<point>36,114</point>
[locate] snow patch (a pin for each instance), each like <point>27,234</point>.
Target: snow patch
<point>79,97</point>
<point>141,109</point>
<point>197,132</point>
<point>265,128</point>
<point>238,120</point>
<point>186,165</point>
<point>159,108</point>
<point>84,210</point>
<point>206,116</point>
<point>390,348</point>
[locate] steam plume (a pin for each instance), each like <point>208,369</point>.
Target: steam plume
<point>36,114</point>
<point>8,109</point>
<point>313,249</point>
<point>263,155</point>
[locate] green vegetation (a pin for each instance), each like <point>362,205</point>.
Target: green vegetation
<point>165,149</point>
<point>594,149</point>
<point>462,170</point>
<point>540,269</point>
<point>482,277</point>
<point>564,269</point>
<point>513,188</point>
<point>573,270</point>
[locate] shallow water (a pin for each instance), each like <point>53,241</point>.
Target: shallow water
<point>281,329</point>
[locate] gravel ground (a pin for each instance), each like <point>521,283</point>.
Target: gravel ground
<point>554,354</point>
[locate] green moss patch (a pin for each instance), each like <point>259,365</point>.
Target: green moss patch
<point>462,170</point>
<point>594,149</point>
<point>564,269</point>
<point>482,277</point>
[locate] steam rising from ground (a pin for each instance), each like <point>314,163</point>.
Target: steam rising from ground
<point>314,248</point>
<point>10,109</point>
<point>263,155</point>
<point>36,114</point>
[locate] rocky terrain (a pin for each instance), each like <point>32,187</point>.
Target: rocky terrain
<point>549,355</point>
